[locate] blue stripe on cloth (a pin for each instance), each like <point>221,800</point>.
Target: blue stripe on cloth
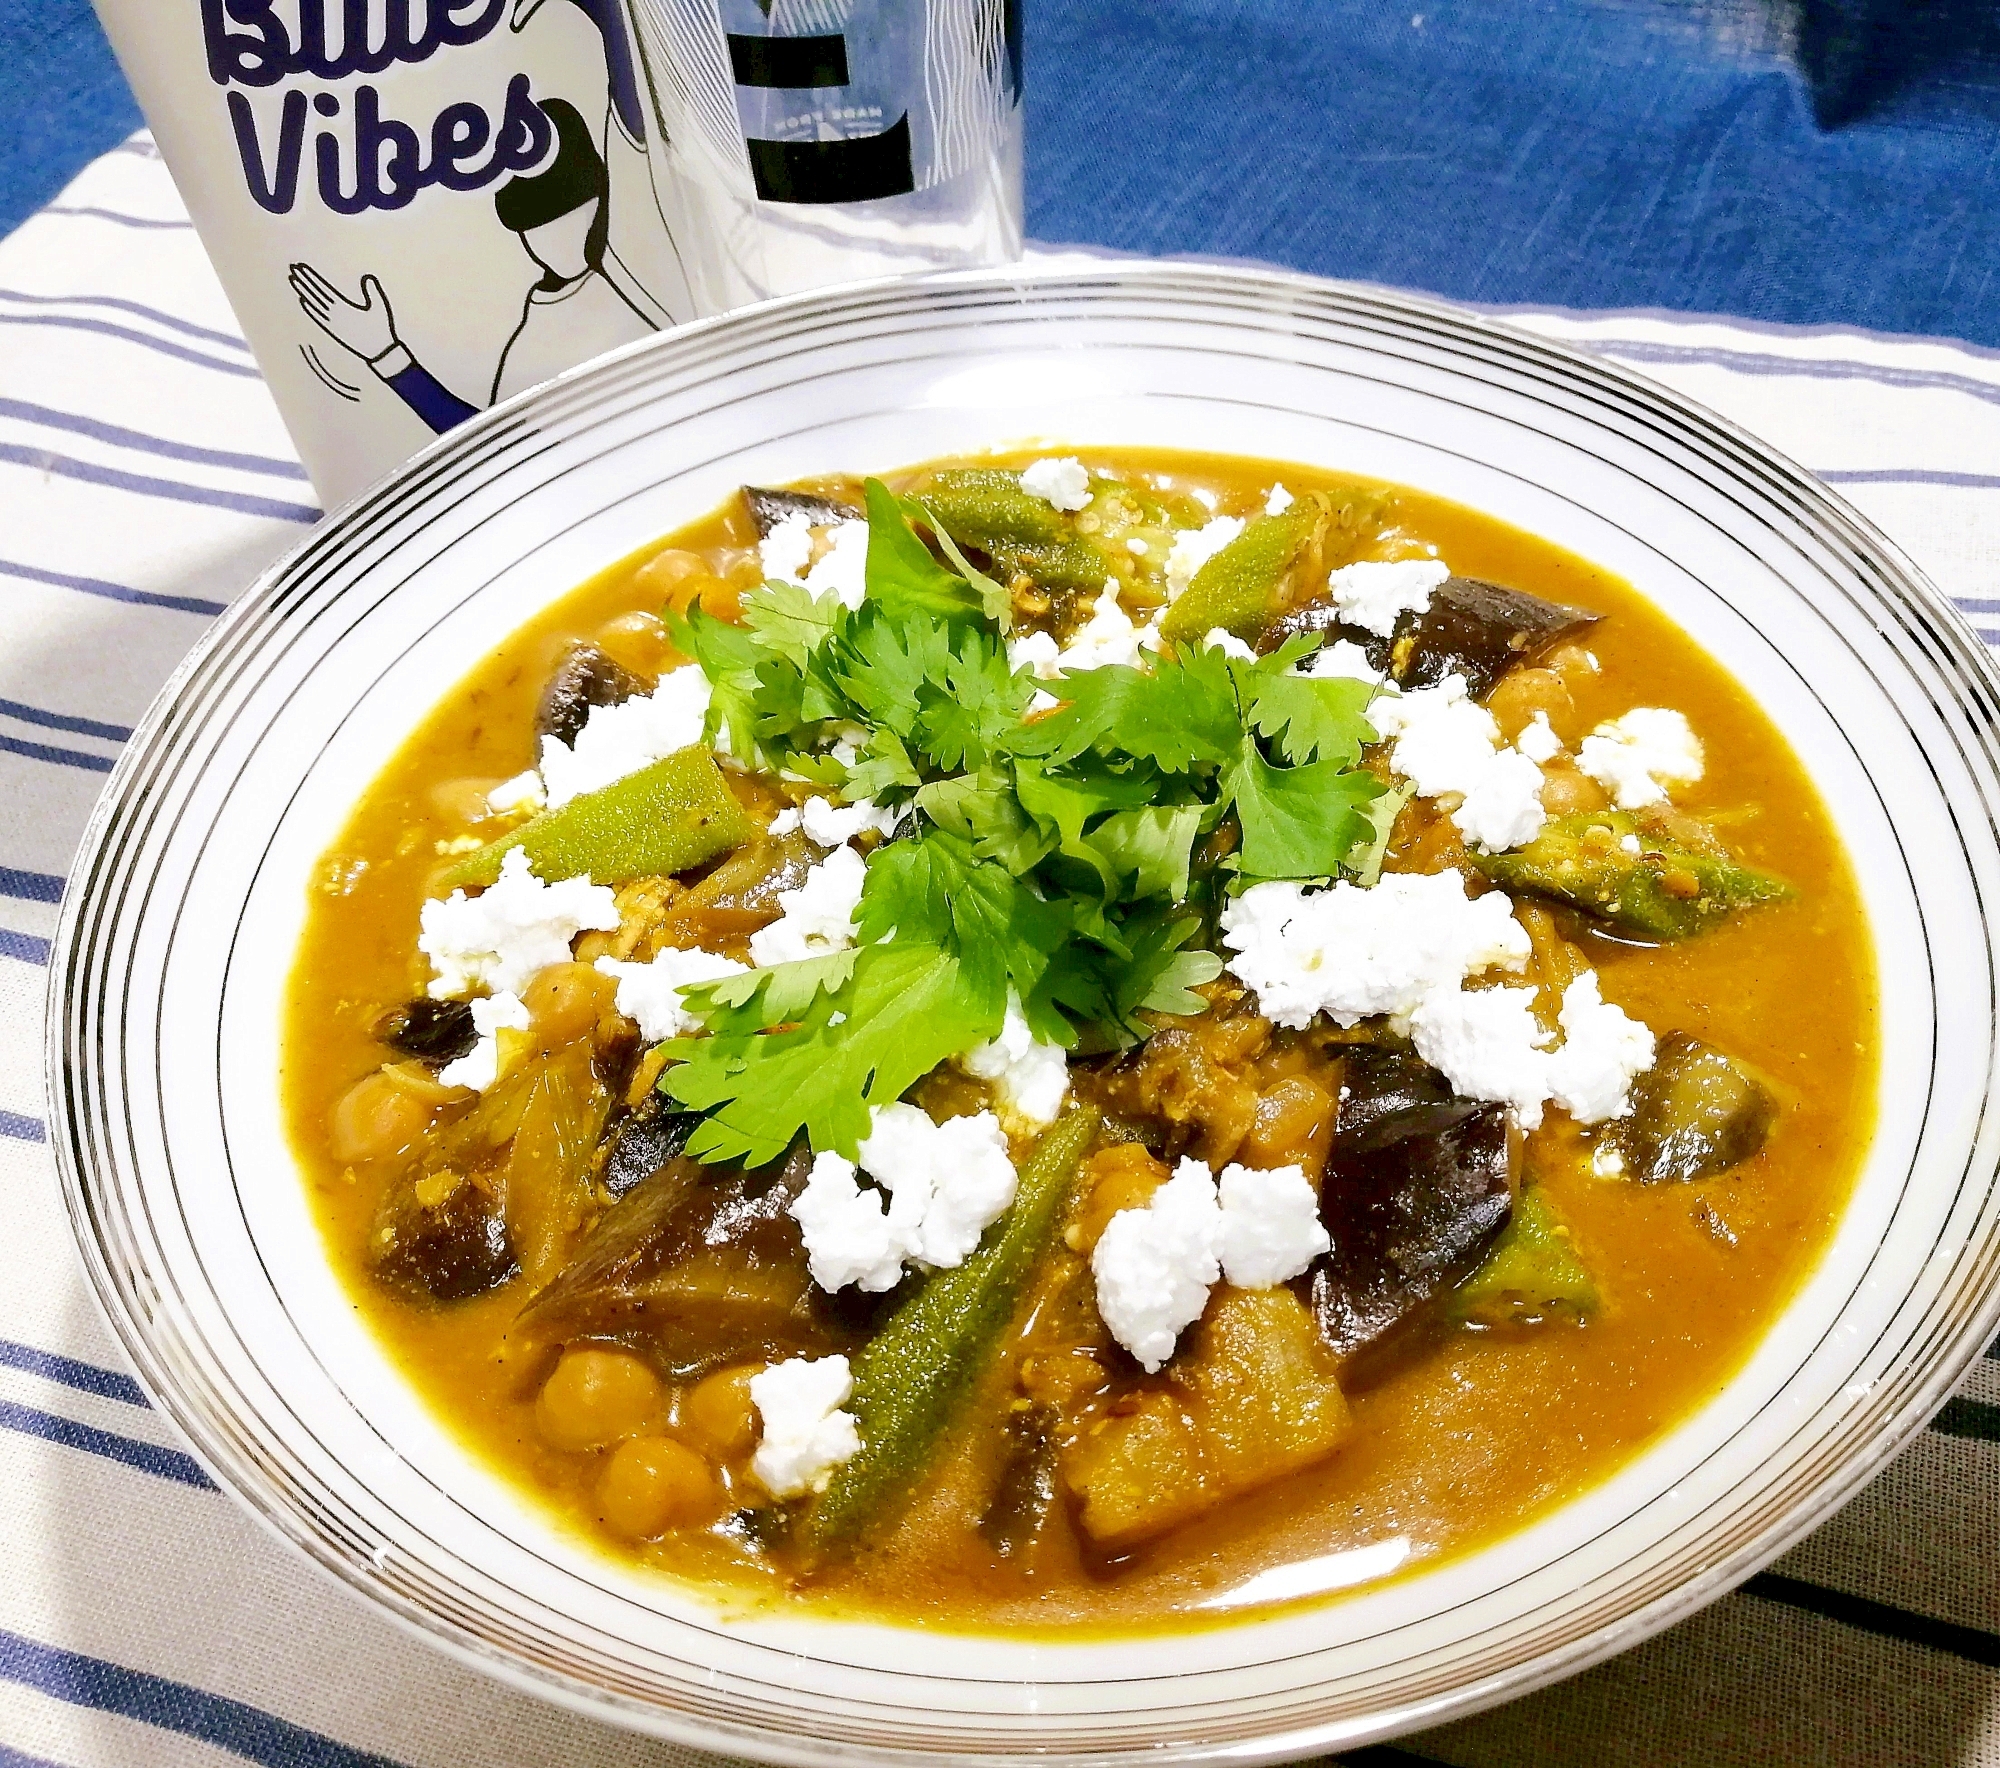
<point>173,490</point>
<point>123,220</point>
<point>164,446</point>
<point>17,1128</point>
<point>1811,368</point>
<point>249,1732</point>
<point>64,721</point>
<point>116,592</point>
<point>110,1384</point>
<point>61,757</point>
<point>24,946</point>
<point>1863,1613</point>
<point>118,303</point>
<point>14,1759</point>
<point>1908,476</point>
<point>169,1464</point>
<point>104,328</point>
<point>30,886</point>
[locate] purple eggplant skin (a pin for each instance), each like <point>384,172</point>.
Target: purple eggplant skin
<point>1418,1187</point>
<point>586,677</point>
<point>649,1137</point>
<point>694,1268</point>
<point>769,508</point>
<point>1025,1496</point>
<point>1472,628</point>
<point>431,1031</point>
<point>449,1251</point>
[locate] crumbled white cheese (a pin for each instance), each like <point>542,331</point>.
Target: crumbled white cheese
<point>1193,549</point>
<point>1604,1050</point>
<point>1636,757</point>
<point>1351,953</point>
<point>1539,741</point>
<point>1270,1225</point>
<point>479,1067</point>
<point>1155,1266</point>
<point>947,1181</point>
<point>1279,501</point>
<point>1030,1079</point>
<point>522,792</point>
<point>1343,659</point>
<point>805,1435</point>
<point>1137,547</point>
<point>842,569</point>
<point>1606,1161</point>
<point>651,993</point>
<point>514,927</point>
<point>818,916</point>
<point>1630,844</point>
<point>831,825</point>
<point>1220,638</point>
<point>848,1235</point>
<point>783,553</point>
<point>1445,741</point>
<point>621,739</point>
<point>1488,1043</point>
<point>1374,594</point>
<point>1503,807</point>
<point>1061,482</point>
<point>1034,650</point>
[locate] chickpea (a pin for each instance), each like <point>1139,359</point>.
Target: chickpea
<point>565,1001</point>
<point>376,1118</point>
<point>1521,695</point>
<point>652,1484</point>
<point>1293,1126</point>
<point>1568,791</point>
<point>719,1416</point>
<point>662,574</point>
<point>597,1396</point>
<point>638,642</point>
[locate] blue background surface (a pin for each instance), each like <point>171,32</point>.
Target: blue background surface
<point>1807,161</point>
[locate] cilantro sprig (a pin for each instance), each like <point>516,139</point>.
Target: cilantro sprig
<point>1070,859</point>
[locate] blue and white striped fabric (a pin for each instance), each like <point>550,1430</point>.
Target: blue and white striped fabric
<point>144,479</point>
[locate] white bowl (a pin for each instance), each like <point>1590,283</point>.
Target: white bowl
<point>185,908</point>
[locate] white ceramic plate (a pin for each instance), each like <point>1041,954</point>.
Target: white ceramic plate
<point>185,907</point>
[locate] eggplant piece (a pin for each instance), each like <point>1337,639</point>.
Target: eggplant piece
<point>697,1267</point>
<point>583,679</point>
<point>1478,630</point>
<point>1694,1112</point>
<point>1388,1096</point>
<point>431,1031</point>
<point>1413,1201</point>
<point>449,1247</point>
<point>769,508</point>
<point>653,1135</point>
<point>1017,1515</point>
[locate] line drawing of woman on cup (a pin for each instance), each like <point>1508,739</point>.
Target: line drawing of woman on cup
<point>562,217</point>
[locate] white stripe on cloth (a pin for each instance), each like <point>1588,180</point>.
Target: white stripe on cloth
<point>157,481</point>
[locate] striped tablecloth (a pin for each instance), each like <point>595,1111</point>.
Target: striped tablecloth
<point>144,479</point>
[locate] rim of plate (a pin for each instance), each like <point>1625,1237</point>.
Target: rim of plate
<point>99,1175</point>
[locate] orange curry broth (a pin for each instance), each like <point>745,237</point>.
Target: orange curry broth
<point>1452,1448</point>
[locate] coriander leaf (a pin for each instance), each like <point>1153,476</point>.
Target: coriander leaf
<point>1181,715</point>
<point>1298,822</point>
<point>1171,991</point>
<point>1152,846</point>
<point>882,668</point>
<point>787,989</point>
<point>980,707</point>
<point>791,621</point>
<point>994,600</point>
<point>884,767</point>
<point>1365,862</point>
<point>1312,719</point>
<point>982,809</point>
<point>903,580</point>
<point>750,696</point>
<point>906,1009</point>
<point>819,769</point>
